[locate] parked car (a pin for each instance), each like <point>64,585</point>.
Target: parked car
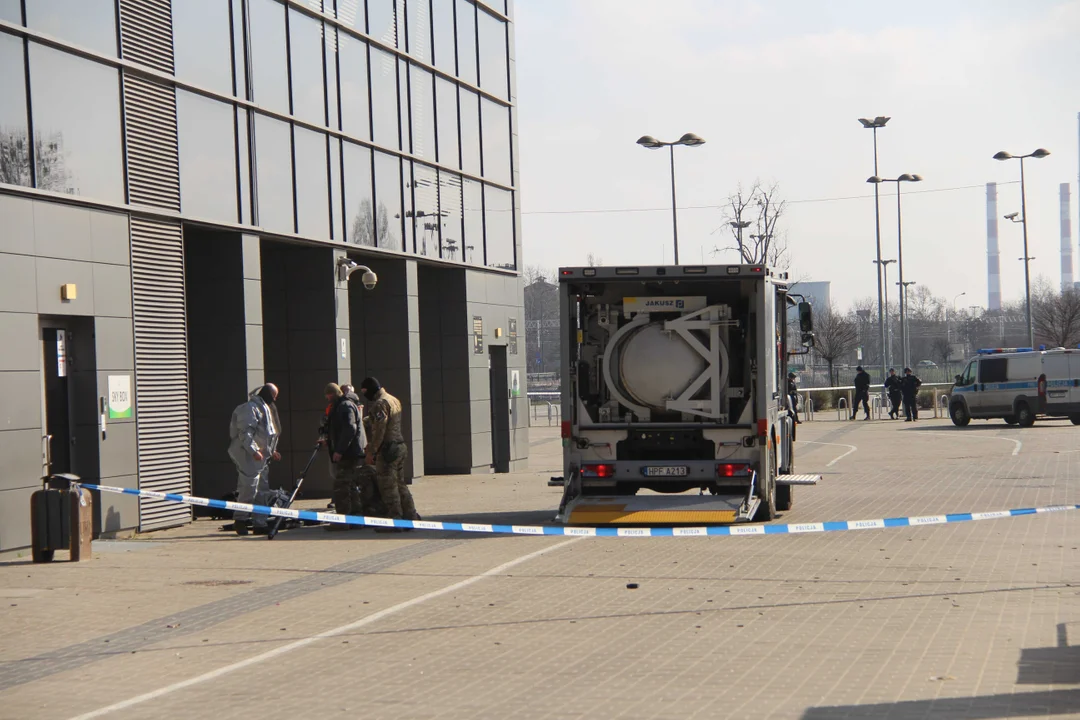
<point>930,364</point>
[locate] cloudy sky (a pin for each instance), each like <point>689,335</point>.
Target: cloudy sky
<point>776,87</point>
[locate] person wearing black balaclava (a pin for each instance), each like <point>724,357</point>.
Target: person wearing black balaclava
<point>254,433</point>
<point>387,450</point>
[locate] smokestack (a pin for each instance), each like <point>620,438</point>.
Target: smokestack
<point>1066,240</point>
<point>993,258</point>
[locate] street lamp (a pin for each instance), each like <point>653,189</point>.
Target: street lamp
<point>1003,155</point>
<point>887,352</point>
<point>903,320</point>
<point>905,341</point>
<point>873,125</point>
<point>739,227</point>
<point>689,140</point>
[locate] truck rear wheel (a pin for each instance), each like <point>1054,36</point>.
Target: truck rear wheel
<point>1024,415</point>
<point>767,509</point>
<point>785,497</point>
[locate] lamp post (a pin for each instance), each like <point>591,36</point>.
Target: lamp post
<point>904,335</point>
<point>873,125</point>
<point>1003,155</point>
<point>738,227</point>
<point>690,140</point>
<point>887,351</point>
<point>905,345</point>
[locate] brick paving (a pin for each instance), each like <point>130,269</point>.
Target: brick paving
<point>972,620</point>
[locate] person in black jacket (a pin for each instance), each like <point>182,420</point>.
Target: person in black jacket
<point>893,390</point>
<point>862,392</point>
<point>346,440</point>
<point>909,386</point>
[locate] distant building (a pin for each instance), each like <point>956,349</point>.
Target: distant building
<point>818,294</point>
<point>542,326</point>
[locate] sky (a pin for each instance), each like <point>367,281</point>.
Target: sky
<point>776,89</point>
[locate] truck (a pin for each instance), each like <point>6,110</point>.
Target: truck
<point>674,396</point>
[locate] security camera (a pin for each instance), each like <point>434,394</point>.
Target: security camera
<point>346,267</point>
<point>1012,216</point>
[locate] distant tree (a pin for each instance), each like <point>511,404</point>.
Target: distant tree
<point>363,226</point>
<point>761,209</point>
<point>1056,317</point>
<point>593,261</point>
<point>941,352</point>
<point>48,154</point>
<point>835,335</point>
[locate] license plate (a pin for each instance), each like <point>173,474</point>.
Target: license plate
<point>667,471</point>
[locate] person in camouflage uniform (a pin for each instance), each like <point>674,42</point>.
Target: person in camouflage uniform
<point>346,442</point>
<point>387,450</point>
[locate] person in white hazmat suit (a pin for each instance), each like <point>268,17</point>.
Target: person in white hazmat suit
<point>254,433</point>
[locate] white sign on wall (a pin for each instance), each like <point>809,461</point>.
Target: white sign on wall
<point>119,396</point>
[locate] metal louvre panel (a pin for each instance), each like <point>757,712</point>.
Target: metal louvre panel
<point>153,164</point>
<point>146,33</point>
<point>161,369</point>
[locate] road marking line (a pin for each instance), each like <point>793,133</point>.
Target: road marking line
<point>374,617</point>
<point>834,460</point>
<point>961,433</point>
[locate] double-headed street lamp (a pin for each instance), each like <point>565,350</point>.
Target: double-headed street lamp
<point>690,140</point>
<point>878,122</point>
<point>1003,155</point>
<point>884,268</point>
<point>906,177</point>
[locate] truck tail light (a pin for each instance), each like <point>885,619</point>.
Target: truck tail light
<point>730,470</point>
<point>566,430</point>
<point>605,470</point>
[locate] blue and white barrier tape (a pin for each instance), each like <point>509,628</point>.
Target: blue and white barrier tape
<point>747,529</point>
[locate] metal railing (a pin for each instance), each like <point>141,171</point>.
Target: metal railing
<point>541,403</point>
<point>878,400</point>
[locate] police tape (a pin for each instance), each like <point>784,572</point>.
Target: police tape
<point>788,529</point>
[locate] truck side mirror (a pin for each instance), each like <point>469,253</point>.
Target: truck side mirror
<point>959,379</point>
<point>806,318</point>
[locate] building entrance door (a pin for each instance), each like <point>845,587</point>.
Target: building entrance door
<point>58,435</point>
<point>500,410</point>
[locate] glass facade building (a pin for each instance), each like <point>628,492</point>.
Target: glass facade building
<point>182,185</point>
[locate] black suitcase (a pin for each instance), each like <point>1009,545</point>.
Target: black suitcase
<point>50,523</point>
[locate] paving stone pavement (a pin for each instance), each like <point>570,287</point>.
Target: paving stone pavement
<point>968,620</point>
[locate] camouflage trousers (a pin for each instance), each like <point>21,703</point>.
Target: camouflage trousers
<point>355,488</point>
<point>395,494</point>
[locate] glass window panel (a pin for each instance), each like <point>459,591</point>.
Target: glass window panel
<point>88,23</point>
<point>239,67</point>
<point>244,156</point>
<point>207,145</point>
<point>14,135</point>
<point>450,214</point>
<point>312,184</point>
<point>388,201</point>
<point>473,217</point>
<point>408,215</point>
<point>355,112</point>
<point>359,205</point>
<point>351,12</point>
<point>336,225</point>
<point>384,98</point>
<point>332,85</point>
<point>403,104</point>
<point>308,84</point>
<point>496,142</point>
<point>420,30</point>
<point>466,41</point>
<point>492,36</point>
<point>269,65</point>
<point>273,174</point>
<point>202,43</point>
<point>446,103</point>
<point>76,108</point>
<point>443,22</point>
<point>421,85</point>
<point>499,226</point>
<point>470,131</point>
<point>11,10</point>
<point>426,210</point>
<point>382,21</point>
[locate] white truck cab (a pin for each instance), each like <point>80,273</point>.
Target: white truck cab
<point>1017,385</point>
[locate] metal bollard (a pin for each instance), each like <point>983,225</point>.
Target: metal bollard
<point>842,404</point>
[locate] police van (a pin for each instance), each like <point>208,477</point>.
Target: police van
<point>1016,385</point>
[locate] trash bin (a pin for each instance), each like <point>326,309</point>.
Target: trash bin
<point>61,518</point>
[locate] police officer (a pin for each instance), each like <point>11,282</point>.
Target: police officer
<point>896,395</point>
<point>387,450</point>
<point>862,392</point>
<point>793,396</point>
<point>909,387</point>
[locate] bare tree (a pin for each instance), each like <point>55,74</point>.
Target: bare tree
<point>536,273</point>
<point>760,209</point>
<point>593,261</point>
<point>48,156</point>
<point>941,352</point>
<point>1056,317</point>
<point>835,335</point>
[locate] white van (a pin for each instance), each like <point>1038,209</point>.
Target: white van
<point>1016,385</point>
